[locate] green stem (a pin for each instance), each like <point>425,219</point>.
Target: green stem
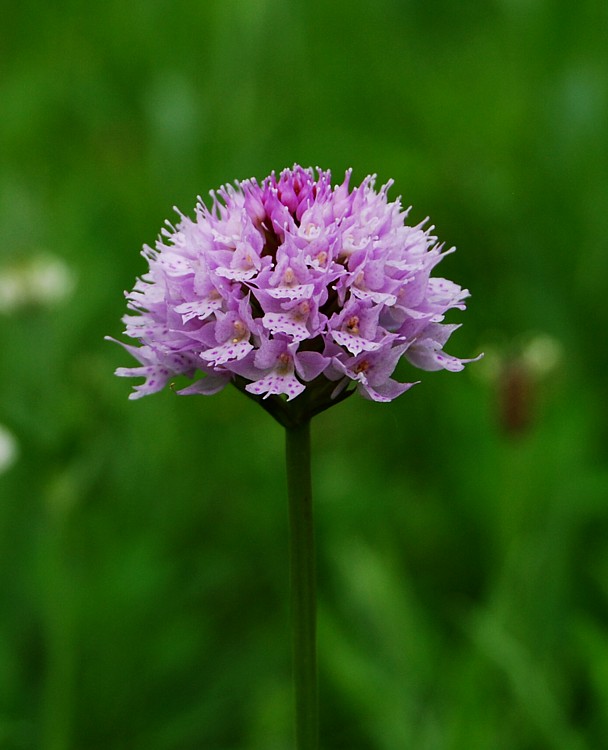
<point>303,586</point>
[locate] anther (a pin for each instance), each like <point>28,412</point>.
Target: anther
<point>240,329</point>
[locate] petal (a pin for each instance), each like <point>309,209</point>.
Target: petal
<point>207,386</point>
<point>384,363</point>
<point>385,392</point>
<point>156,378</point>
<point>354,344</point>
<point>380,298</point>
<point>199,309</point>
<point>269,352</point>
<point>142,354</point>
<point>427,355</point>
<point>310,365</point>
<point>174,264</point>
<point>301,291</point>
<point>287,324</point>
<point>340,387</point>
<point>439,333</point>
<point>236,274</point>
<point>219,355</point>
<point>277,384</point>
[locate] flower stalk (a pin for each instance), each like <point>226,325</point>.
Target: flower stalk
<point>299,294</point>
<point>303,585</point>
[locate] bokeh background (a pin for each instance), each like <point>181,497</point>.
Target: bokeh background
<point>462,530</point>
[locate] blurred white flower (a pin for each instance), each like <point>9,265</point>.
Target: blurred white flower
<point>41,280</point>
<point>8,449</point>
<point>542,354</point>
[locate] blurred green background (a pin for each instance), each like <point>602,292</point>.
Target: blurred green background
<point>462,530</point>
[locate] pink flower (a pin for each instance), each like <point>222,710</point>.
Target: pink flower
<point>290,287</point>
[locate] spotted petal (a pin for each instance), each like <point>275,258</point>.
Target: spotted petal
<point>276,383</point>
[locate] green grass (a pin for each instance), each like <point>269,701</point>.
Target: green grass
<point>143,546</point>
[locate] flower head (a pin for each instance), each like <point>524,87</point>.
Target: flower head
<point>292,287</point>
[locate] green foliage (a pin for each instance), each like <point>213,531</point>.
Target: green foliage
<point>461,530</point>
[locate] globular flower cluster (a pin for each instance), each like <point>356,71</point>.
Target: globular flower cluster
<point>290,286</point>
